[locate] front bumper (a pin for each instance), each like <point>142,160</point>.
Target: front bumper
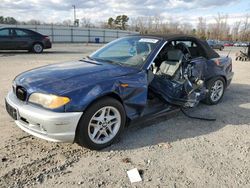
<point>51,126</point>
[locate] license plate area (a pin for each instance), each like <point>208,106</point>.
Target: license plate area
<point>11,110</point>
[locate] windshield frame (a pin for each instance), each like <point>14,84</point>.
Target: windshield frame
<point>139,66</point>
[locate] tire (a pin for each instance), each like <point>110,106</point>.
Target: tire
<point>37,48</point>
<point>216,88</point>
<point>94,131</point>
<point>221,48</point>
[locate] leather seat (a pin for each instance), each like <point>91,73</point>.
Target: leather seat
<point>171,65</point>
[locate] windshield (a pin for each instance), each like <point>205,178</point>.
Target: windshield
<point>128,51</point>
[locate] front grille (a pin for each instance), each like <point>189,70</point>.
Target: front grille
<point>21,93</point>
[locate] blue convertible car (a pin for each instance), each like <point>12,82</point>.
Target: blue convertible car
<point>91,100</point>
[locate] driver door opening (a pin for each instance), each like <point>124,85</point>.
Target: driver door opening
<point>176,75</point>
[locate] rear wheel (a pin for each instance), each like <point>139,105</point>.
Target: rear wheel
<point>37,48</point>
<point>216,88</point>
<point>101,124</point>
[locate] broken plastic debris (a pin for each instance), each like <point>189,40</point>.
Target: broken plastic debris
<point>134,175</point>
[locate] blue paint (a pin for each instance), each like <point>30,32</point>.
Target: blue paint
<point>83,82</point>
<point>86,80</point>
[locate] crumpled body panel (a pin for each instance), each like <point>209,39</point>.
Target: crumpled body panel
<point>186,90</point>
<point>131,89</point>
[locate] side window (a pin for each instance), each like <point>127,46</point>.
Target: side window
<point>188,43</point>
<point>193,48</point>
<point>4,32</point>
<point>21,33</point>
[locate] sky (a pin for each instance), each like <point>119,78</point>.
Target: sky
<point>100,10</point>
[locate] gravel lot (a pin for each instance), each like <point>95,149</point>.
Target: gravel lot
<point>178,152</point>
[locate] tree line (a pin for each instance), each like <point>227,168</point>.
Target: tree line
<point>220,29</point>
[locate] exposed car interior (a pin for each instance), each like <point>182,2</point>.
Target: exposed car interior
<point>175,76</point>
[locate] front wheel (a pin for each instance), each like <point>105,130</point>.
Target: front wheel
<point>216,88</point>
<point>101,124</point>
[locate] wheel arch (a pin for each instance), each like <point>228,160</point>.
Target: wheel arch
<point>100,97</point>
<point>37,42</point>
<point>218,76</point>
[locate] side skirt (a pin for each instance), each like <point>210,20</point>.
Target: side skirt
<point>156,117</point>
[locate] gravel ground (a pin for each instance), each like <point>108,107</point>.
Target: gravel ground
<point>175,152</point>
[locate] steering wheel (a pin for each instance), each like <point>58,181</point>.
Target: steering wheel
<point>185,50</point>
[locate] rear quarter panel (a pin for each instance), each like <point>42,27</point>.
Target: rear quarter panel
<point>221,66</point>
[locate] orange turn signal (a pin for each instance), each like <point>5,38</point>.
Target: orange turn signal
<point>124,85</point>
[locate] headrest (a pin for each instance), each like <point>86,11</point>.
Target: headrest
<point>174,55</point>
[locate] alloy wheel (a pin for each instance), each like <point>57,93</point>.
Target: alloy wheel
<point>104,125</point>
<point>217,90</point>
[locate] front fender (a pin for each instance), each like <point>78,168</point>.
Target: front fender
<point>132,90</point>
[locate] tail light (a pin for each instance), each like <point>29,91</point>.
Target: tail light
<point>217,62</point>
<point>46,37</point>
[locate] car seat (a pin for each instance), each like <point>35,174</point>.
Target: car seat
<point>171,65</point>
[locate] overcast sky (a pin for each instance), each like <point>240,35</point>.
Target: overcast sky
<point>100,10</point>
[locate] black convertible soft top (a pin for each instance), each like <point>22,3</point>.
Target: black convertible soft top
<point>208,51</point>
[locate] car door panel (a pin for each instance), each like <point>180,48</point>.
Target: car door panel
<point>5,39</point>
<point>22,39</point>
<point>134,91</point>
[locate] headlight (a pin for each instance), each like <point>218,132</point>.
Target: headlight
<point>48,101</point>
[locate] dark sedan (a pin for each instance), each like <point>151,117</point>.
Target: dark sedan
<point>23,39</point>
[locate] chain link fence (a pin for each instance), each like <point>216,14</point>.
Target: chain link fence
<point>75,34</point>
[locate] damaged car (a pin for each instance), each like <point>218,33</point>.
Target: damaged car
<point>132,78</point>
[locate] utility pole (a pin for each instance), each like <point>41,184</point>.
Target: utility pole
<point>74,14</point>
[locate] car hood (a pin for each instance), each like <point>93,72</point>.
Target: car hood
<point>64,77</point>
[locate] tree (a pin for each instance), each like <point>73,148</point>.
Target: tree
<point>245,29</point>
<point>33,22</point>
<point>110,22</point>
<point>67,23</point>
<point>235,30</point>
<point>119,22</point>
<point>86,22</point>
<point>124,20</point>
<point>201,28</point>
<point>220,29</point>
<point>1,19</point>
<point>10,20</point>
